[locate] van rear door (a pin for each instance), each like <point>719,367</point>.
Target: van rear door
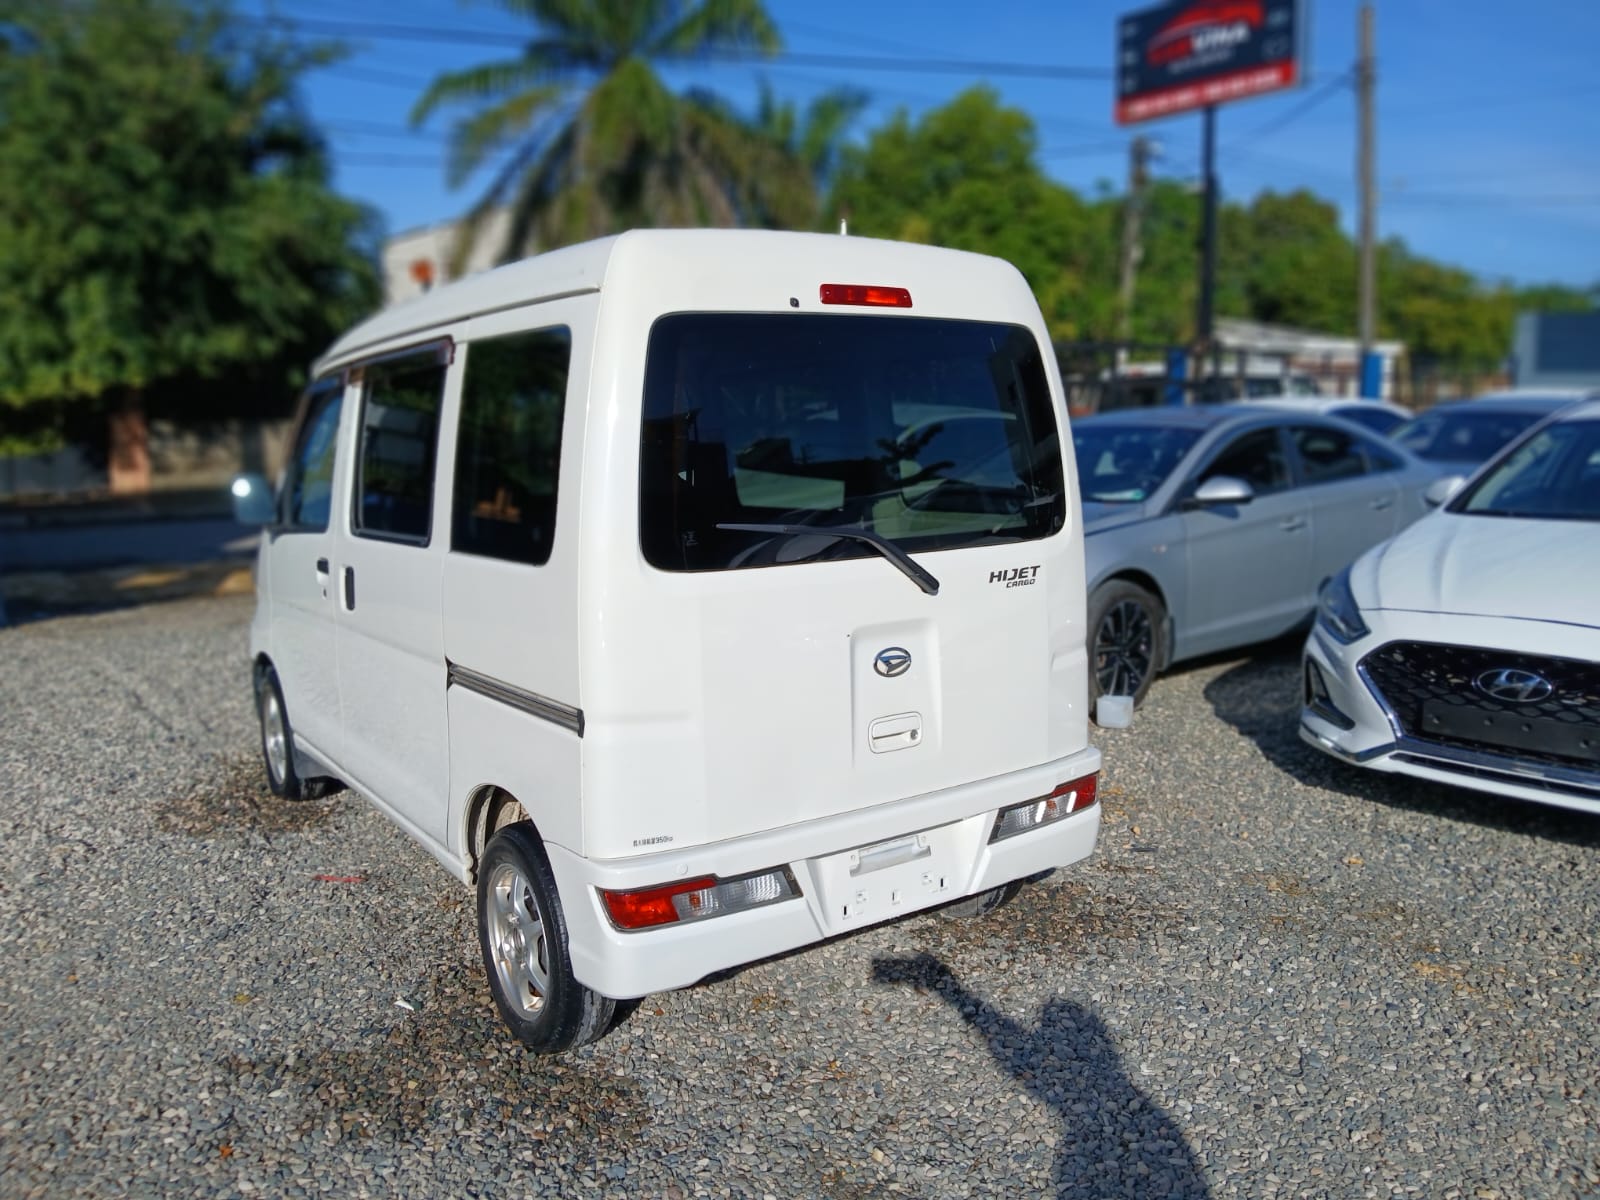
<point>793,468</point>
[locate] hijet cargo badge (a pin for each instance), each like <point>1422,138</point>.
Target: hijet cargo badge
<point>1016,576</point>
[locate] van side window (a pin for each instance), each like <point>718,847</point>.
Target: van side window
<point>399,437</point>
<point>307,496</point>
<point>508,450</point>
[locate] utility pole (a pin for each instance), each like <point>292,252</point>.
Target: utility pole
<point>1139,154</point>
<point>1208,234</point>
<point>1366,153</point>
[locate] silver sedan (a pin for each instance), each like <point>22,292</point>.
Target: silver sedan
<point>1212,527</point>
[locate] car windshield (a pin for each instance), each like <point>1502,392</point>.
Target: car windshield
<point>927,434</point>
<point>1123,464</point>
<point>1462,433</point>
<point>1555,475</point>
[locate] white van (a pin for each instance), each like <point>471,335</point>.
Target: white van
<point>697,595</point>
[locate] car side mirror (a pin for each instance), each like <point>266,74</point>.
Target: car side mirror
<point>1442,489</point>
<point>1220,490</point>
<point>252,500</point>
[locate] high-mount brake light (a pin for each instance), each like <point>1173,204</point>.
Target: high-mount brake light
<point>868,295</point>
<point>1068,798</point>
<point>697,899</point>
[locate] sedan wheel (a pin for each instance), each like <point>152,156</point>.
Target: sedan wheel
<point>1125,651</point>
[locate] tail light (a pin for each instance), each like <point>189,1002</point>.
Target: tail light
<point>697,899</point>
<point>868,295</point>
<point>1067,799</point>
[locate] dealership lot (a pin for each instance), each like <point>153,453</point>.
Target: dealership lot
<point>1276,977</point>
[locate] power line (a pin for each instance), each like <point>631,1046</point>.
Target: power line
<point>384,31</point>
<point>1508,200</point>
<point>387,78</point>
<point>1306,105</point>
<point>362,129</point>
<point>1491,100</point>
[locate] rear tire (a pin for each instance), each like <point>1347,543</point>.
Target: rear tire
<point>1126,629</point>
<point>984,903</point>
<point>522,933</point>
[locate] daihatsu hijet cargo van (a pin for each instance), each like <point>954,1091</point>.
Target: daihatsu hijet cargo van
<point>696,595</point>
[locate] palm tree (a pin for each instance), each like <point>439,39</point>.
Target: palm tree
<point>598,142</point>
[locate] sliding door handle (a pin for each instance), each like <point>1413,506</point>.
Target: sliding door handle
<point>349,588</point>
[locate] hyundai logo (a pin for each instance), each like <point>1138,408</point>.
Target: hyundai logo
<point>891,662</point>
<point>1514,686</point>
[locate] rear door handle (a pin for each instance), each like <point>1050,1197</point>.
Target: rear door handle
<point>1383,502</point>
<point>349,587</point>
<point>1292,524</point>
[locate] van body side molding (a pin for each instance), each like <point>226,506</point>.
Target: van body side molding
<point>531,703</point>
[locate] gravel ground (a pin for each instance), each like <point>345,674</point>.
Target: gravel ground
<point>1277,977</point>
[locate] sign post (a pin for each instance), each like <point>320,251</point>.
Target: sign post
<point>1197,54</point>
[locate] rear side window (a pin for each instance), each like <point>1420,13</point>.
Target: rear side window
<point>1328,454</point>
<point>399,436</point>
<point>508,451</point>
<point>307,497</point>
<point>932,434</point>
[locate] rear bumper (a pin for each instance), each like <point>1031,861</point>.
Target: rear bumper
<point>960,861</point>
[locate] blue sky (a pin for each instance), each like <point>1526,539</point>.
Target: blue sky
<point>1488,134</point>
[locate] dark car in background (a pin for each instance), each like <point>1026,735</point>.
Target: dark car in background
<point>1462,435</point>
<point>1210,527</point>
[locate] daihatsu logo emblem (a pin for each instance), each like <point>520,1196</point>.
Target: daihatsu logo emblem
<point>1514,686</point>
<point>891,662</point>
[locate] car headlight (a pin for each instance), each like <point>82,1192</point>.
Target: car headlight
<point>1338,612</point>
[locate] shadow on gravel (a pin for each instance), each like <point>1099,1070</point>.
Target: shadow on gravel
<point>1114,1141</point>
<point>236,800</point>
<point>1261,699</point>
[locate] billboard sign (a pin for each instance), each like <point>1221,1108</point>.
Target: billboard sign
<point>1196,53</point>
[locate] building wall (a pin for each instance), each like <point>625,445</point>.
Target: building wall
<point>418,259</point>
<point>1557,350</point>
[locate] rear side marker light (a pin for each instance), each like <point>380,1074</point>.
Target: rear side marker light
<point>866,295</point>
<point>697,899</point>
<point>1067,799</point>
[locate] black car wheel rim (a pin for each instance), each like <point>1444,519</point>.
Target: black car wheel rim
<point>1124,649</point>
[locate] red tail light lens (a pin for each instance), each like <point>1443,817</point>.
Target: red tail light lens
<point>698,899</point>
<point>650,906</point>
<point>866,295</point>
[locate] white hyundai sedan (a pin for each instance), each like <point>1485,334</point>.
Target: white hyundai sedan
<point>1466,650</point>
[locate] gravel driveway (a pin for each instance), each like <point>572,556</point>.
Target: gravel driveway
<point>1278,977</point>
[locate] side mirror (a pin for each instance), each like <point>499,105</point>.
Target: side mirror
<point>1222,489</point>
<point>1442,489</point>
<point>252,500</point>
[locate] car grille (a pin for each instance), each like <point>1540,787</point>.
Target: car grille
<point>1437,693</point>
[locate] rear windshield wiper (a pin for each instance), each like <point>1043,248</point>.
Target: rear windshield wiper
<point>912,570</point>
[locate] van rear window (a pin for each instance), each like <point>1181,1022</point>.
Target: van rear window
<point>934,434</point>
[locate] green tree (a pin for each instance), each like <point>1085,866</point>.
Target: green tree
<point>593,141</point>
<point>1444,314</point>
<point>1556,298</point>
<point>165,215</point>
<point>1301,265</point>
<point>965,176</point>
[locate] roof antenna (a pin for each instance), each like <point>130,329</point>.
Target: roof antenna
<point>844,227</point>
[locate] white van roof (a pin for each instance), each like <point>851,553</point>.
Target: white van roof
<point>704,265</point>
